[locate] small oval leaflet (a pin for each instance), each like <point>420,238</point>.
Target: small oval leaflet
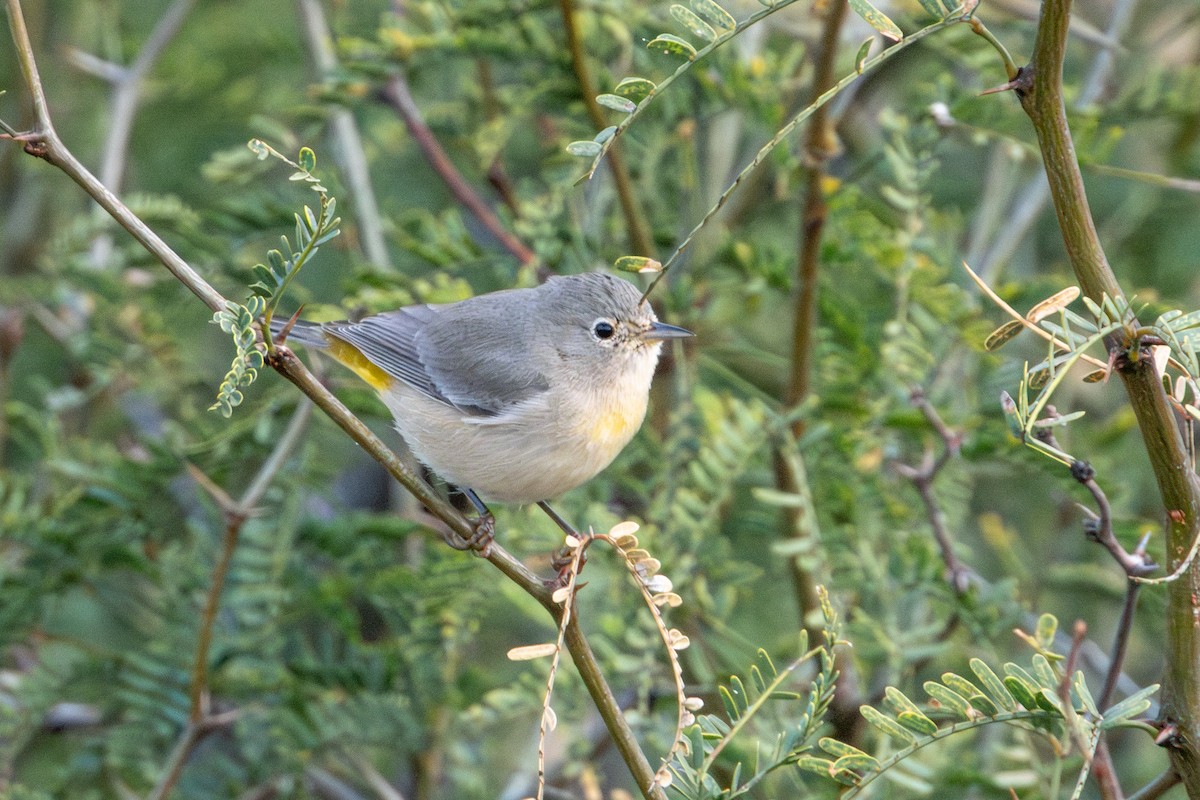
<point>585,149</point>
<point>603,136</point>
<point>1052,304</point>
<point>1002,335</point>
<point>639,264</point>
<point>918,722</point>
<point>713,14</point>
<point>698,27</point>
<point>864,50</point>
<point>672,45</point>
<point>877,19</point>
<point>1096,376</point>
<point>531,651</point>
<point>636,89</point>
<point>617,103</point>
<point>856,761</point>
<point>628,527</point>
<point>308,159</point>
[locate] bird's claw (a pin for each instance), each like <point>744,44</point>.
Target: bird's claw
<point>485,533</point>
<point>561,563</point>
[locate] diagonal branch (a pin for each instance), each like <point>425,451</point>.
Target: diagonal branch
<point>635,218</point>
<point>1039,87</point>
<point>399,97</point>
<point>347,137</point>
<point>45,143</point>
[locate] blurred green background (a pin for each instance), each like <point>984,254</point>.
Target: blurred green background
<point>350,644</point>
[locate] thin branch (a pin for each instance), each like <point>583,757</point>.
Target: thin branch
<point>602,696</point>
<point>1157,787</point>
<point>1099,526</point>
<point>635,217</point>
<point>350,150</point>
<point>1028,206</point>
<point>922,478</point>
<point>193,733</point>
<point>399,97</point>
<point>44,143</point>
<point>127,90</point>
<point>820,145</point>
<point>1041,95</point>
<point>1120,644</point>
<point>200,721</point>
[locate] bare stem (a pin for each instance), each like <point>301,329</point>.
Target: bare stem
<point>820,145</point>
<point>127,87</point>
<point>635,218</point>
<point>399,97</point>
<point>1041,94</point>
<point>1157,787</point>
<point>1120,644</point>
<point>922,478</point>
<point>349,141</point>
<point>44,143</point>
<point>1099,527</point>
<point>602,696</point>
<point>193,733</point>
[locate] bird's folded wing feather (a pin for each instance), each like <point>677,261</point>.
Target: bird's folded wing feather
<point>472,361</point>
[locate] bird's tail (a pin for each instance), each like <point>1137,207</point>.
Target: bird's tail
<point>302,332</point>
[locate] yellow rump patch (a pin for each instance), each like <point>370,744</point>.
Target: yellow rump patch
<point>350,356</point>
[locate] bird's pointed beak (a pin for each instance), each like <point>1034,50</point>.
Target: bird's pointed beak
<point>661,330</point>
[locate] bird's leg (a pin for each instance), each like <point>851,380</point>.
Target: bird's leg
<point>563,558</point>
<point>485,526</point>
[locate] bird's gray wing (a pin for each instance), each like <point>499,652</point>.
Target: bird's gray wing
<point>472,355</point>
<point>390,342</point>
<point>484,355</point>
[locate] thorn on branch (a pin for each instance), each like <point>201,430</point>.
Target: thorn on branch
<point>34,143</point>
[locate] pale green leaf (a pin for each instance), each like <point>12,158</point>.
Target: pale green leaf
<point>672,45</point>
<point>694,25</point>
<point>713,14</point>
<point>876,19</point>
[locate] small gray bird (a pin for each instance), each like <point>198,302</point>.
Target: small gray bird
<point>519,395</point>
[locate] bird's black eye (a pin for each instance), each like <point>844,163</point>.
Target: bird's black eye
<point>603,329</point>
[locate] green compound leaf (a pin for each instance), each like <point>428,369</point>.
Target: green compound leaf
<point>1128,708</point>
<point>856,761</point>
<point>916,721</point>
<point>1023,692</point>
<point>932,9</point>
